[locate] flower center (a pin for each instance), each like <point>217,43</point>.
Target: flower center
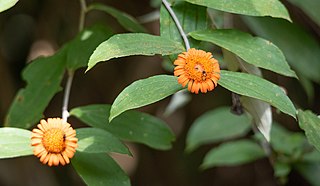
<point>53,140</point>
<point>199,68</point>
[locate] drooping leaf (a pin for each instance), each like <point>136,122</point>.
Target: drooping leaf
<point>253,50</point>
<point>6,4</point>
<point>273,8</point>
<point>131,126</point>
<point>192,17</point>
<point>259,88</point>
<point>81,48</point>
<point>310,7</point>
<point>122,45</point>
<point>310,123</point>
<point>144,92</point>
<point>233,154</point>
<point>43,77</point>
<point>94,140</point>
<point>99,169</point>
<point>127,21</point>
<point>216,125</point>
<point>300,49</point>
<point>14,142</point>
<point>261,113</point>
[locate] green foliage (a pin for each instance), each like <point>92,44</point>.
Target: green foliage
<point>14,142</point>
<point>310,7</point>
<point>125,20</point>
<point>6,4</point>
<point>272,8</point>
<point>300,49</point>
<point>144,92</point>
<point>99,169</point>
<point>82,46</point>
<point>215,126</point>
<point>253,50</point>
<point>259,88</point>
<point>43,78</point>
<point>121,45</point>
<point>94,140</point>
<point>310,123</point>
<point>130,126</point>
<point>187,12</point>
<point>233,153</point>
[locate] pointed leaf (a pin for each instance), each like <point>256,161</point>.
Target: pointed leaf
<point>81,48</point>
<point>94,140</point>
<point>310,123</point>
<point>144,92</point>
<point>233,154</point>
<point>253,50</point>
<point>6,4</point>
<point>304,58</point>
<point>99,169</point>
<point>261,113</point>
<point>131,126</point>
<point>15,142</point>
<point>122,45</point>
<point>256,87</point>
<point>43,78</point>
<point>127,21</point>
<point>273,8</point>
<point>208,128</point>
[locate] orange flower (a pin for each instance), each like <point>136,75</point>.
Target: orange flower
<point>54,141</point>
<point>197,69</point>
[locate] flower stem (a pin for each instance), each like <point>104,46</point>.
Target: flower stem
<point>65,112</point>
<point>82,14</point>
<point>175,19</point>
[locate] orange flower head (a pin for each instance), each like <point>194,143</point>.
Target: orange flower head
<point>197,69</point>
<point>54,141</point>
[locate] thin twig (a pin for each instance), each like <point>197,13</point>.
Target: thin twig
<point>65,112</point>
<point>82,14</point>
<point>175,19</point>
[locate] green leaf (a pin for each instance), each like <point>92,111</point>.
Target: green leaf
<point>43,78</point>
<point>272,8</point>
<point>132,125</point>
<point>144,92</point>
<point>310,171</point>
<point>192,18</point>
<point>310,123</point>
<point>122,45</point>
<point>286,142</point>
<point>127,21</point>
<point>256,87</point>
<point>300,49</point>
<point>6,4</point>
<point>99,169</point>
<point>208,128</point>
<point>14,142</point>
<point>81,48</point>
<point>253,50</point>
<point>310,7</point>
<point>233,154</point>
<point>94,140</point>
